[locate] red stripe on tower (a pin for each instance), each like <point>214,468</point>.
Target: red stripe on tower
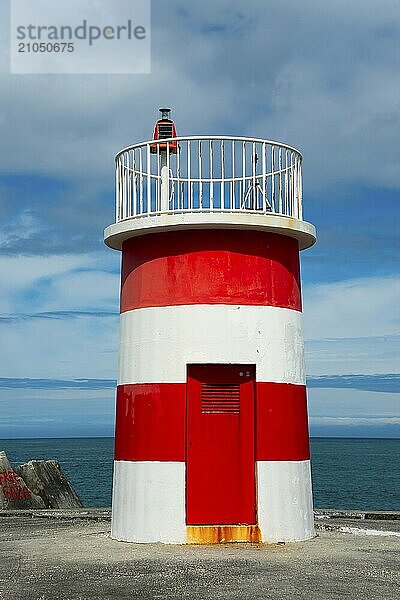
<point>210,267</point>
<point>151,422</point>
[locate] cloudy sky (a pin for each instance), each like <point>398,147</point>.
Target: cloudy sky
<point>321,76</point>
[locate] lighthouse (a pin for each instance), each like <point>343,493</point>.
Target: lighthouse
<point>211,438</point>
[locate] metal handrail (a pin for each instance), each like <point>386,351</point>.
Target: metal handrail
<point>208,174</point>
<point>210,137</point>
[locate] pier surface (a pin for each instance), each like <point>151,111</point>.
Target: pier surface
<point>50,555</point>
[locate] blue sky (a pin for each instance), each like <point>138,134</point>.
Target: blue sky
<point>320,76</point>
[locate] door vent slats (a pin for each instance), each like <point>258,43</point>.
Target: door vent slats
<point>220,398</point>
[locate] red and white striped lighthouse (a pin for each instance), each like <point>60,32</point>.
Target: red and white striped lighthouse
<point>211,439</point>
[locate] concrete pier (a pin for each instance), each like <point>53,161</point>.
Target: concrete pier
<point>69,554</point>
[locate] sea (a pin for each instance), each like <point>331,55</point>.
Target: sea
<point>348,473</point>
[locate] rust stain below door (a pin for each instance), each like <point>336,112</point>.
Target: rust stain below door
<point>223,534</point>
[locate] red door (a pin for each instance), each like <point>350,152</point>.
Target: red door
<point>220,464</point>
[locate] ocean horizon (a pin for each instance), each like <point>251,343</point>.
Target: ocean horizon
<point>348,473</point>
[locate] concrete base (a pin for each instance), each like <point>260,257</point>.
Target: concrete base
<point>70,555</point>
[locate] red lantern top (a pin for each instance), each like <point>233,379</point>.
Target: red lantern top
<point>164,129</point>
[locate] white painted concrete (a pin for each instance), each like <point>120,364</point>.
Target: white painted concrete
<point>116,234</point>
<point>285,510</point>
<point>149,502</point>
<point>360,531</point>
<point>157,343</point>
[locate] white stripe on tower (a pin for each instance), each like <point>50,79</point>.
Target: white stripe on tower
<point>157,343</point>
<point>156,510</point>
<point>285,510</point>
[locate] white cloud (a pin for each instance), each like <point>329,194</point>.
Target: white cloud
<point>351,404</point>
<point>354,308</point>
<point>80,347</point>
<point>355,421</point>
<point>83,290</point>
<point>365,355</point>
<point>323,77</point>
<point>41,283</point>
<point>57,345</point>
<point>352,326</point>
<point>56,413</point>
<point>19,274</point>
<point>344,412</point>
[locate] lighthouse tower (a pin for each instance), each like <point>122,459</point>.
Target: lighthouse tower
<point>211,440</point>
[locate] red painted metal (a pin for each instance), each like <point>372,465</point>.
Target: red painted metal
<point>151,417</point>
<point>282,424</point>
<point>150,422</point>
<point>210,267</point>
<point>220,459</point>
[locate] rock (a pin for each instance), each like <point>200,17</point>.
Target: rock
<point>14,493</point>
<point>46,479</point>
<point>35,484</point>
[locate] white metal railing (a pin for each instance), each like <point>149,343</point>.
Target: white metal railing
<point>208,174</point>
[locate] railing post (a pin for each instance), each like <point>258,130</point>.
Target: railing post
<point>211,175</point>
<point>164,182</point>
<point>300,191</point>
<point>117,202</point>
<point>148,183</point>
<point>273,204</point>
